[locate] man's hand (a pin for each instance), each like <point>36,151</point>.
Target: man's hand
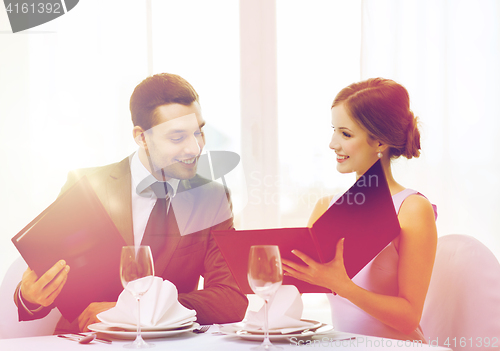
<point>44,290</point>
<point>89,316</point>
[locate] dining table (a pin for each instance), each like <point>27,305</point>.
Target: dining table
<point>213,339</point>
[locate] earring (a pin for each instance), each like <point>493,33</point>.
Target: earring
<point>380,154</point>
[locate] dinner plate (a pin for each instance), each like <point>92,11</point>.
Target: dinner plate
<point>120,333</point>
<point>181,324</point>
<point>236,330</point>
<point>315,325</point>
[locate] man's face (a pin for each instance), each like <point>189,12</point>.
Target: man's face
<point>172,147</point>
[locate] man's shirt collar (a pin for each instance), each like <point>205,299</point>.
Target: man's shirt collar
<point>142,178</point>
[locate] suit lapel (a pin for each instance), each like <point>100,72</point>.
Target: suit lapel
<point>119,203</point>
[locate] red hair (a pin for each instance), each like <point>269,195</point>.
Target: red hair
<point>382,107</point>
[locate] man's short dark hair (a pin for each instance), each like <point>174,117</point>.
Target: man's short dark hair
<point>159,89</point>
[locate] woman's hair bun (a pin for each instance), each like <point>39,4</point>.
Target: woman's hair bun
<point>382,107</point>
<point>413,138</point>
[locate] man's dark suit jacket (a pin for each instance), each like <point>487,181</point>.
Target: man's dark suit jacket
<point>190,251</point>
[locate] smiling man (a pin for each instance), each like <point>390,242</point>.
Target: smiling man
<point>168,129</point>
<point>172,147</point>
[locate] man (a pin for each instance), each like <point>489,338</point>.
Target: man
<point>168,128</point>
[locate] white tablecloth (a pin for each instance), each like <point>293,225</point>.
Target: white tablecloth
<point>212,340</point>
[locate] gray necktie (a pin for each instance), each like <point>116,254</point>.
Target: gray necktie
<point>156,228</point>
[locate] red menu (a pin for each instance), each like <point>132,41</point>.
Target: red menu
<point>76,228</point>
<point>364,215</point>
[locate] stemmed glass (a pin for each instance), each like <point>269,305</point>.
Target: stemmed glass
<point>137,274</point>
<point>265,276</point>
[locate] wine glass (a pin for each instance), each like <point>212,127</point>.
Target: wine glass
<point>137,274</point>
<point>265,276</point>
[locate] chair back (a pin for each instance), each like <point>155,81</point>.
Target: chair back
<point>10,327</point>
<point>462,308</point>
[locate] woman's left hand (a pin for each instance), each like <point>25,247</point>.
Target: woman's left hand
<point>89,316</point>
<point>331,275</point>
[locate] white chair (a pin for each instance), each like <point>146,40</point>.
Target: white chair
<point>10,327</point>
<point>462,308</point>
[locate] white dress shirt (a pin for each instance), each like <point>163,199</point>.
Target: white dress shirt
<point>143,198</point>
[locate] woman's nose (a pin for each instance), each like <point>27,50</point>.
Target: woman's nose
<point>334,144</point>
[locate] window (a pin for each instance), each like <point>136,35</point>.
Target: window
<point>318,54</point>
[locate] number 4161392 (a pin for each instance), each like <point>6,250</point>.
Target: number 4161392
<point>41,7</point>
<point>471,342</point>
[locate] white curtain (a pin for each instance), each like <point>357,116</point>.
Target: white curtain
<point>65,88</point>
<point>447,54</point>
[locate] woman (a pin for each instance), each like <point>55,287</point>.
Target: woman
<point>371,120</point>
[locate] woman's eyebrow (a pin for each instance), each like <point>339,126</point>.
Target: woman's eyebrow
<point>345,128</point>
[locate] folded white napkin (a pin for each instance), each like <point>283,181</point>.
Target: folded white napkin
<point>160,308</point>
<point>285,311</point>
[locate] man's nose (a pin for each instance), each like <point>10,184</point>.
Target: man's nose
<point>193,146</point>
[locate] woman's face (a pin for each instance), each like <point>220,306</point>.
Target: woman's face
<point>356,150</point>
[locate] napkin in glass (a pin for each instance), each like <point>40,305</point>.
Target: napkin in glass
<point>160,309</point>
<point>285,311</point>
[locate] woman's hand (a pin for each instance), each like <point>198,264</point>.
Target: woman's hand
<point>89,316</point>
<point>331,275</point>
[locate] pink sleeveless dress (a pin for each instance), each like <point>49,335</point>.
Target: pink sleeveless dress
<point>378,276</point>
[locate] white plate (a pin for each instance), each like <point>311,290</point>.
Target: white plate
<point>181,324</point>
<point>128,334</point>
<point>236,330</point>
<point>315,325</point>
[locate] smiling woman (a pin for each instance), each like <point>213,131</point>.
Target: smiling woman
<point>361,115</point>
<point>386,297</point>
<point>354,147</point>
